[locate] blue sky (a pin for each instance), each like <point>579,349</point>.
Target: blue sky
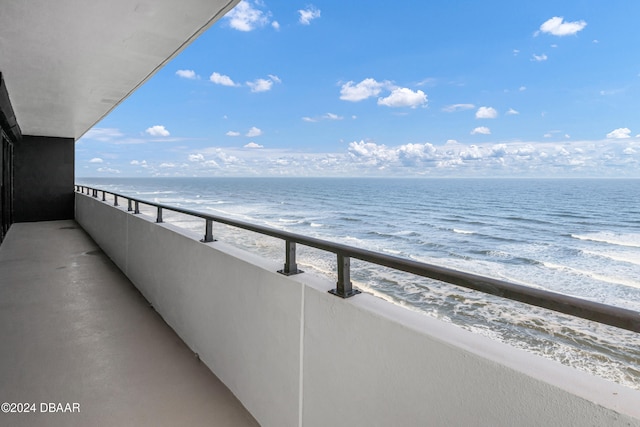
<point>415,88</point>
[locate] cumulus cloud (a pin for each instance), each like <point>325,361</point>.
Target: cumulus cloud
<point>157,130</point>
<point>371,153</point>
<point>557,26</point>
<point>142,163</point>
<point>232,133</point>
<point>512,112</point>
<point>275,25</point>
<point>486,113</point>
<point>539,58</point>
<point>254,131</point>
<point>309,14</point>
<point>458,107</point>
<point>367,88</point>
<point>221,79</point>
<point>253,145</point>
<point>246,16</point>
<point>96,160</point>
<point>620,133</point>
<point>186,74</point>
<point>404,97</point>
<point>482,130</point>
<point>561,158</point>
<point>263,85</point>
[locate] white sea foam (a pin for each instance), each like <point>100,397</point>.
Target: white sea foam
<point>457,230</point>
<point>315,224</point>
<point>608,279</point>
<point>631,258</point>
<point>630,239</point>
<point>289,221</point>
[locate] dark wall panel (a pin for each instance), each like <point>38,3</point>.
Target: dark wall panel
<point>44,178</point>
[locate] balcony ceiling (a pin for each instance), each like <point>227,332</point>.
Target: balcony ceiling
<point>68,63</point>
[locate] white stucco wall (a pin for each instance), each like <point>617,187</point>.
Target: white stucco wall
<point>296,355</point>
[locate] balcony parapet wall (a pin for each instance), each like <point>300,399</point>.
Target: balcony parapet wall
<point>296,355</point>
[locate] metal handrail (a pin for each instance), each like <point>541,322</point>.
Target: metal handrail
<point>578,307</point>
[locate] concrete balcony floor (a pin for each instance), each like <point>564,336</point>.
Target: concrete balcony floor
<point>74,330</point>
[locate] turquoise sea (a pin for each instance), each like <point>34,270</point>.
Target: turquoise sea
<point>577,237</point>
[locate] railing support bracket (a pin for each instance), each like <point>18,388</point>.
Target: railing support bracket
<point>344,287</point>
<point>290,265</point>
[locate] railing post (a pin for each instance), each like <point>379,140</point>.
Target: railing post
<point>159,216</point>
<point>290,266</point>
<point>137,207</point>
<point>344,288</point>
<point>115,200</point>
<point>104,197</point>
<point>129,208</point>
<point>208,234</point>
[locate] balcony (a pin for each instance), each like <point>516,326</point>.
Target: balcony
<point>74,330</point>
<point>290,352</point>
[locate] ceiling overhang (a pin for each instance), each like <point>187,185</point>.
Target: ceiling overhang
<point>67,63</point>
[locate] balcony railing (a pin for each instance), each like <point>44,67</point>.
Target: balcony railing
<point>590,310</point>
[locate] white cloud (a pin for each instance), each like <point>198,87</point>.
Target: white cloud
<point>253,145</point>
<point>522,88</point>
<point>486,113</point>
<point>221,79</point>
<point>247,17</point>
<point>186,74</point>
<point>142,163</point>
<point>103,134</point>
<point>559,158</point>
<point>263,85</point>
<point>309,14</point>
<point>327,116</point>
<point>275,25</point>
<point>232,133</point>
<point>254,131</point>
<point>331,116</point>
<point>157,130</point>
<point>482,130</point>
<point>512,112</point>
<point>404,97</point>
<point>539,58</point>
<point>458,107</point>
<point>96,160</point>
<point>196,157</point>
<point>367,88</point>
<point>108,170</point>
<point>620,133</point>
<point>557,26</point>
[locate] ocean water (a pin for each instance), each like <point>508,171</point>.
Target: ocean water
<point>577,237</point>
